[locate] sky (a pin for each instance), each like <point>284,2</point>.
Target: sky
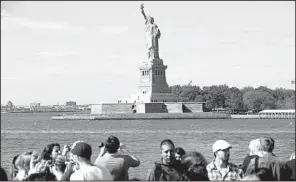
<point>90,52</point>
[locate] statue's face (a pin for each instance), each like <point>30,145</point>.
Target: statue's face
<point>151,20</point>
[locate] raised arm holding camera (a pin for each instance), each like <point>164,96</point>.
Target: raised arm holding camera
<point>117,159</point>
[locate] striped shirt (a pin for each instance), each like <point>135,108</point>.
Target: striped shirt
<point>231,172</point>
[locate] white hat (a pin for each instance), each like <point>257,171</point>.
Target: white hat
<point>220,145</point>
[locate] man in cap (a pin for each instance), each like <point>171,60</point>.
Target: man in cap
<point>81,154</point>
<point>168,169</point>
<point>221,169</point>
<point>116,159</point>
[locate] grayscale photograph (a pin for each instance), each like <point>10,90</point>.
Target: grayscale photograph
<point>147,91</point>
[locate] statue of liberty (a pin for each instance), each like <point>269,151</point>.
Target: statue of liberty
<point>152,36</point>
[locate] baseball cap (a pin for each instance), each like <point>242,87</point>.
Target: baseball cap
<point>221,145</point>
<point>81,149</point>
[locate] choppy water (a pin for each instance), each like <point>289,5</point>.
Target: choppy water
<point>26,132</point>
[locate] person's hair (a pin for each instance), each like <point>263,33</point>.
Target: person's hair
<point>167,142</point>
<point>180,151</point>
<point>43,176</point>
<point>13,168</point>
<point>3,175</point>
<point>256,147</point>
<point>112,144</point>
<point>46,153</point>
<point>61,167</point>
<point>194,167</point>
<point>267,144</point>
<point>23,161</point>
<point>60,163</point>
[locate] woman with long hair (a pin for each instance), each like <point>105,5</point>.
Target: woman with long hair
<point>194,167</point>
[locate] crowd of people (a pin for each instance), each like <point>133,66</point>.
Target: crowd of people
<point>175,164</point>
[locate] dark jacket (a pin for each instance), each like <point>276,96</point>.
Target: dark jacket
<point>163,172</point>
<point>291,170</point>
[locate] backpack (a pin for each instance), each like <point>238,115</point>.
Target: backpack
<point>253,168</point>
<point>264,173</point>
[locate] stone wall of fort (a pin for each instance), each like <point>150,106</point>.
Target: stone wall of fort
<point>170,107</point>
<point>116,108</point>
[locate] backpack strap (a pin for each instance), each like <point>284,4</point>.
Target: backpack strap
<point>252,167</point>
<point>157,171</point>
<point>256,164</point>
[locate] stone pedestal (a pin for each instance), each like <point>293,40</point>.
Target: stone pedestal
<point>153,86</point>
<point>153,77</point>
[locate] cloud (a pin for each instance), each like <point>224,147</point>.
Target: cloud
<point>46,54</point>
<point>112,29</point>
<point>114,56</point>
<point>55,69</point>
<point>251,30</point>
<point>8,78</point>
<point>230,41</point>
<point>54,54</point>
<point>8,21</point>
<point>4,14</point>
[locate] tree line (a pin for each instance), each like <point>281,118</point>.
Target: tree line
<point>234,100</point>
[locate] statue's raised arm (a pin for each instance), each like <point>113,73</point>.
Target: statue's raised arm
<point>142,10</point>
<point>152,34</point>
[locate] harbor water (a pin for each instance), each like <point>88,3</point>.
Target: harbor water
<point>21,132</point>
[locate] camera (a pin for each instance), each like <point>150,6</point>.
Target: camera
<point>101,145</point>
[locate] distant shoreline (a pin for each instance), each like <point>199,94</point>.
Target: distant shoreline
<point>8,112</point>
<point>156,116</point>
<point>142,116</point>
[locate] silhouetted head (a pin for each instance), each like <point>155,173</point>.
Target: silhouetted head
<point>81,150</point>
<point>51,151</point>
<point>179,152</point>
<point>194,166</point>
<point>112,144</point>
<point>267,144</point>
